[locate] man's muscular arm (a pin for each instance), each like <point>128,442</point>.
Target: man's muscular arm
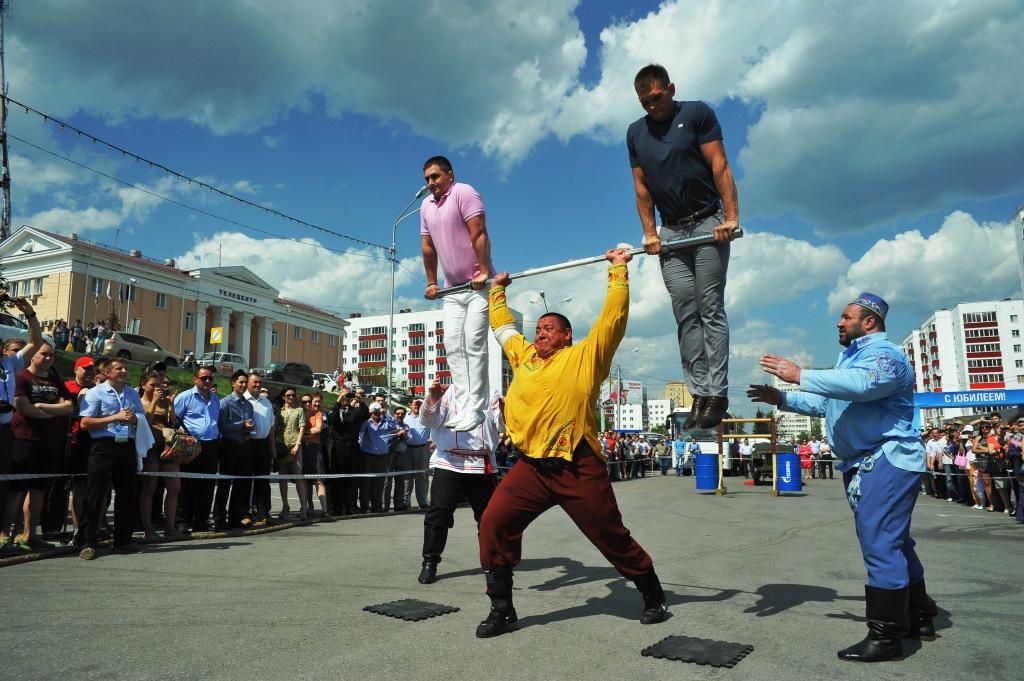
<point>645,208</point>
<point>481,246</point>
<point>429,265</point>
<point>714,153</point>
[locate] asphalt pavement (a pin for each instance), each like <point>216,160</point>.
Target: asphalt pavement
<point>783,575</point>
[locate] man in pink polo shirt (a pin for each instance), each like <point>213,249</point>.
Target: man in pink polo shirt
<point>454,233</point>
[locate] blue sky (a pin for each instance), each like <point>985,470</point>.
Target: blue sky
<point>876,145</point>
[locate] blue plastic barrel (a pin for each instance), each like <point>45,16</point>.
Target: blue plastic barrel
<point>707,471</point>
<point>788,473</point>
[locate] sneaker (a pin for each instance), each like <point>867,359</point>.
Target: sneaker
<point>88,553</point>
<point>948,499</point>
<point>977,507</point>
<point>246,523</point>
<point>655,610</point>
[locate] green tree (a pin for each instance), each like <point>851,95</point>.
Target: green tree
<point>816,428</point>
<point>762,428</point>
<point>113,322</point>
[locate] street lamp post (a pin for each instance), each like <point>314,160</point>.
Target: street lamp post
<point>544,301</point>
<point>393,257</point>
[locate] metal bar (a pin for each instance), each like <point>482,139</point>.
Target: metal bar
<point>688,242</point>
<point>746,420</point>
<point>746,436</point>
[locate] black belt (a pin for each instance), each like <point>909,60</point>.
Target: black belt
<point>556,464</point>
<point>694,218</point>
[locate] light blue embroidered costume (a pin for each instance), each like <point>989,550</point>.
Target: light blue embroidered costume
<point>868,404</point>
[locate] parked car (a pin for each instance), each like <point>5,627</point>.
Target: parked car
<point>224,363</point>
<point>12,327</point>
<point>295,373</point>
<point>330,384</point>
<point>134,346</point>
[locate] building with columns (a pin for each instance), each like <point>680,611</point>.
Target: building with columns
<point>69,278</point>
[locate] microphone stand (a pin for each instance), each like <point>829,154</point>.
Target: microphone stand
<point>393,257</point>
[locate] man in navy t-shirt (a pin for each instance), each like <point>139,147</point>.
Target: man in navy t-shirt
<point>680,167</point>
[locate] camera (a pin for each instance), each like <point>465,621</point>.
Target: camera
<point>6,407</point>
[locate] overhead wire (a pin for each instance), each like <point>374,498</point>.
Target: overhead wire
<point>64,125</point>
<point>190,207</point>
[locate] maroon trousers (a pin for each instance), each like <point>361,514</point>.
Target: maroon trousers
<point>584,492</point>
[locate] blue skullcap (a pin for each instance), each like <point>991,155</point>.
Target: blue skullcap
<point>873,303</point>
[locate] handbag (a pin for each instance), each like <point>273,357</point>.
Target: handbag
<point>180,447</point>
<point>960,460</point>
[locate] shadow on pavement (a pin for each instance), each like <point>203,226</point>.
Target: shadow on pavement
<point>776,598</point>
<point>193,546</point>
<point>622,599</point>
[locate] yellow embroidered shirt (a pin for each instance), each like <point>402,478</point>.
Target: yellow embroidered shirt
<point>550,403</point>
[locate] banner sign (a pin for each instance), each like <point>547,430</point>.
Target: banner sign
<point>969,398</point>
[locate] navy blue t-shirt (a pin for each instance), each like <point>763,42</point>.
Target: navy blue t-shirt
<point>679,179</point>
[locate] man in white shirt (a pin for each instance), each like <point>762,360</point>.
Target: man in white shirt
<point>261,444</point>
<point>825,459</point>
<point>463,465</point>
<point>933,452</point>
<point>746,454</point>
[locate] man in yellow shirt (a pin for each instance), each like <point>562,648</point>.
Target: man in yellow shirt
<point>549,415</point>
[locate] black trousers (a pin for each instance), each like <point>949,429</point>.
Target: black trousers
<point>400,461</point>
<point>6,445</point>
<point>114,462</point>
<point>371,490</point>
<point>259,451</point>
<point>447,491</point>
<point>197,495</point>
<point>822,465</point>
<point>345,491</point>
<point>232,500</point>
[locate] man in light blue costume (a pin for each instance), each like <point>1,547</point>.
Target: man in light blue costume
<point>868,404</point>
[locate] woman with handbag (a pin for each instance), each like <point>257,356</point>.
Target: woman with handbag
<point>154,390</point>
<point>984,444</point>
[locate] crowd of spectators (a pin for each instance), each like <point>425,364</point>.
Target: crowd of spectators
<point>978,464</point>
<point>98,434</point>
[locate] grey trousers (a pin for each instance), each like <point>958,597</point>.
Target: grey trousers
<point>695,279</point>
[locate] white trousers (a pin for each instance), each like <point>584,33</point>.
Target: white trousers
<point>465,341</point>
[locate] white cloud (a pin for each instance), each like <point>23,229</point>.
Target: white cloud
<point>960,261</point>
<point>867,111</point>
<point>770,268</point>
<point>863,111</point>
<point>272,141</point>
<point>245,187</point>
<point>68,220</point>
<point>304,270</point>
<point>487,73</point>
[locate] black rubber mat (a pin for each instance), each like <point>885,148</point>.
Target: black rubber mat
<point>699,651</point>
<point>410,609</point>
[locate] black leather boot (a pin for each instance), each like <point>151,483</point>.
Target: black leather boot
<point>922,612</point>
<point>695,408</point>
<point>712,411</point>
<point>428,575</point>
<point>502,617</point>
<point>655,609</point>
<point>888,621</point>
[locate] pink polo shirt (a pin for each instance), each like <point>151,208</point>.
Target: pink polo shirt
<point>444,221</point>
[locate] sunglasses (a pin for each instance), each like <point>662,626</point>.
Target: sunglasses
<point>204,379</point>
<point>307,401</point>
<point>289,396</point>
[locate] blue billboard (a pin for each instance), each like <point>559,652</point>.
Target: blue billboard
<point>969,398</point>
